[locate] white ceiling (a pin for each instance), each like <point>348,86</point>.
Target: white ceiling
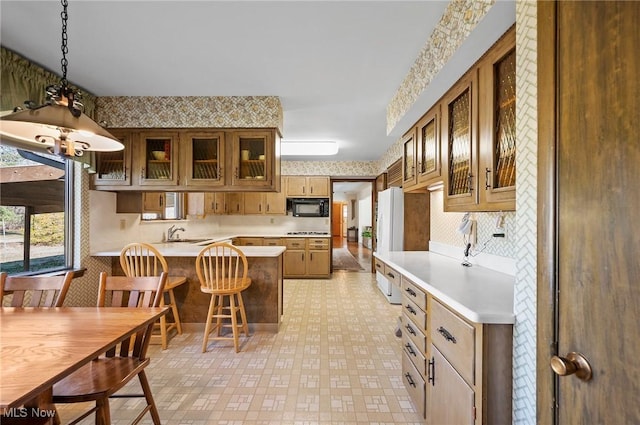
<point>334,64</point>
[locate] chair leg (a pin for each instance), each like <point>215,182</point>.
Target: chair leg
<point>234,321</point>
<point>103,414</point>
<point>243,315</point>
<point>146,389</point>
<point>174,310</point>
<point>163,325</point>
<point>207,327</point>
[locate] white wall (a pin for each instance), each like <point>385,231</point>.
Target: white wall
<point>365,214</point>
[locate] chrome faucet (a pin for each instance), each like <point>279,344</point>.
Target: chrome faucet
<point>172,230</point>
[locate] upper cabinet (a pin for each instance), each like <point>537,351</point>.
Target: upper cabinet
<point>421,153</point>
<point>156,159</point>
<point>467,140</point>
<point>253,159</point>
<point>459,145</point>
<point>307,187</point>
<point>409,177</point>
<point>114,168</point>
<point>203,158</point>
<point>192,160</point>
<point>497,117</point>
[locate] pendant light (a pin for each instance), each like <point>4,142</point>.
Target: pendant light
<point>58,126</point>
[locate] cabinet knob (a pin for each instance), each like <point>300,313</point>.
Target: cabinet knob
<point>573,363</point>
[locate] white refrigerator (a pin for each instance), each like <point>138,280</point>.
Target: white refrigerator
<point>389,235</point>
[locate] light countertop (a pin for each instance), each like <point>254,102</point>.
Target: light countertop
<point>184,249</point>
<point>479,294</point>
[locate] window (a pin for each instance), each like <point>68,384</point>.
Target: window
<point>35,213</point>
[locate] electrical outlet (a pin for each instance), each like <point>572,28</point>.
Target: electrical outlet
<point>271,220</point>
<point>123,224</point>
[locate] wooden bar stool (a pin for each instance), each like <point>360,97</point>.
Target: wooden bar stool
<point>222,271</point>
<point>141,259</point>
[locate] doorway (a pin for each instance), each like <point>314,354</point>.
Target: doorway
<point>352,213</point>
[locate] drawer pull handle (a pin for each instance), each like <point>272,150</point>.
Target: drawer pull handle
<point>431,371</point>
<point>411,310</point>
<point>391,275</point>
<point>411,331</point>
<point>378,266</point>
<point>409,379</point>
<point>411,292</point>
<point>410,350</point>
<point>446,334</point>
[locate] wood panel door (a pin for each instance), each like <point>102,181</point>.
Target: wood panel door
<point>336,219</point>
<point>588,201</point>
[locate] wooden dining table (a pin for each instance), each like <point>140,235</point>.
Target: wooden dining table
<point>40,346</point>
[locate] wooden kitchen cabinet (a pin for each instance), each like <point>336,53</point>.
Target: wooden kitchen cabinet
<point>307,186</point>
<point>459,145</point>
<point>265,203</point>
<point>451,399</point>
<point>254,159</point>
<point>202,154</point>
<point>497,120</point>
<point>319,257</point>
<point>198,160</point>
<point>156,159</point>
<point>153,202</point>
<point>409,177</point>
<point>307,257</point>
<point>114,168</point>
<point>215,203</point>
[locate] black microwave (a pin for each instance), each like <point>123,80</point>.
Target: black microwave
<point>309,207</point>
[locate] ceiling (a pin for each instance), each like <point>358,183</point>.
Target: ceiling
<point>334,64</point>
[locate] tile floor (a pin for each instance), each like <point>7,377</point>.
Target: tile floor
<point>335,360</point>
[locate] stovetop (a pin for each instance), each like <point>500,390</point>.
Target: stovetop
<point>308,233</point>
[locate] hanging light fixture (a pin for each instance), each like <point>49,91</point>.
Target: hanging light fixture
<point>59,126</point>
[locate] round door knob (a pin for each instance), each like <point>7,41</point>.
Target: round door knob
<point>573,363</point>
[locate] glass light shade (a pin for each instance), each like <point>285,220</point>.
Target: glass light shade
<point>54,127</point>
<point>302,148</point>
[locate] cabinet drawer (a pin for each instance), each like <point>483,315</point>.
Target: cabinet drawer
<point>296,243</point>
<point>392,275</point>
<point>415,313</point>
<point>251,241</point>
<point>414,333</point>
<point>379,265</point>
<point>272,242</point>
<point>416,356</point>
<point>318,244</point>
<point>455,339</point>
<point>415,294</point>
<point>414,383</point>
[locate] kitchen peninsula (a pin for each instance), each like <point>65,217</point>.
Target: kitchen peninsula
<point>263,299</point>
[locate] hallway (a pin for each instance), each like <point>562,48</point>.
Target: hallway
<point>360,253</point>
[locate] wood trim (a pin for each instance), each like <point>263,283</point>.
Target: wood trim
<point>546,262</point>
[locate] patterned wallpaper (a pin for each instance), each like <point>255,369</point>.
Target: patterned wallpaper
<point>524,351</point>
<point>330,168</point>
<point>390,156</point>
<point>191,111</point>
<point>457,22</point>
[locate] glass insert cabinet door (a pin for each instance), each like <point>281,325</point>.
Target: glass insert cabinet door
<point>505,119</point>
<point>409,165</point>
<point>459,141</point>
<point>160,156</point>
<point>203,158</point>
<point>114,168</point>
<point>252,158</point>
<point>428,146</point>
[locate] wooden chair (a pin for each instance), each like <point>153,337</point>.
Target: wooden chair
<point>35,291</point>
<point>106,375</point>
<point>141,259</point>
<point>222,271</point>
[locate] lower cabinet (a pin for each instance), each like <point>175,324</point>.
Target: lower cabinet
<point>456,372</point>
<point>307,257</point>
<point>451,399</point>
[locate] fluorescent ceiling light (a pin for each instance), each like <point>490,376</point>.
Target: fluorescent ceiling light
<point>307,148</point>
